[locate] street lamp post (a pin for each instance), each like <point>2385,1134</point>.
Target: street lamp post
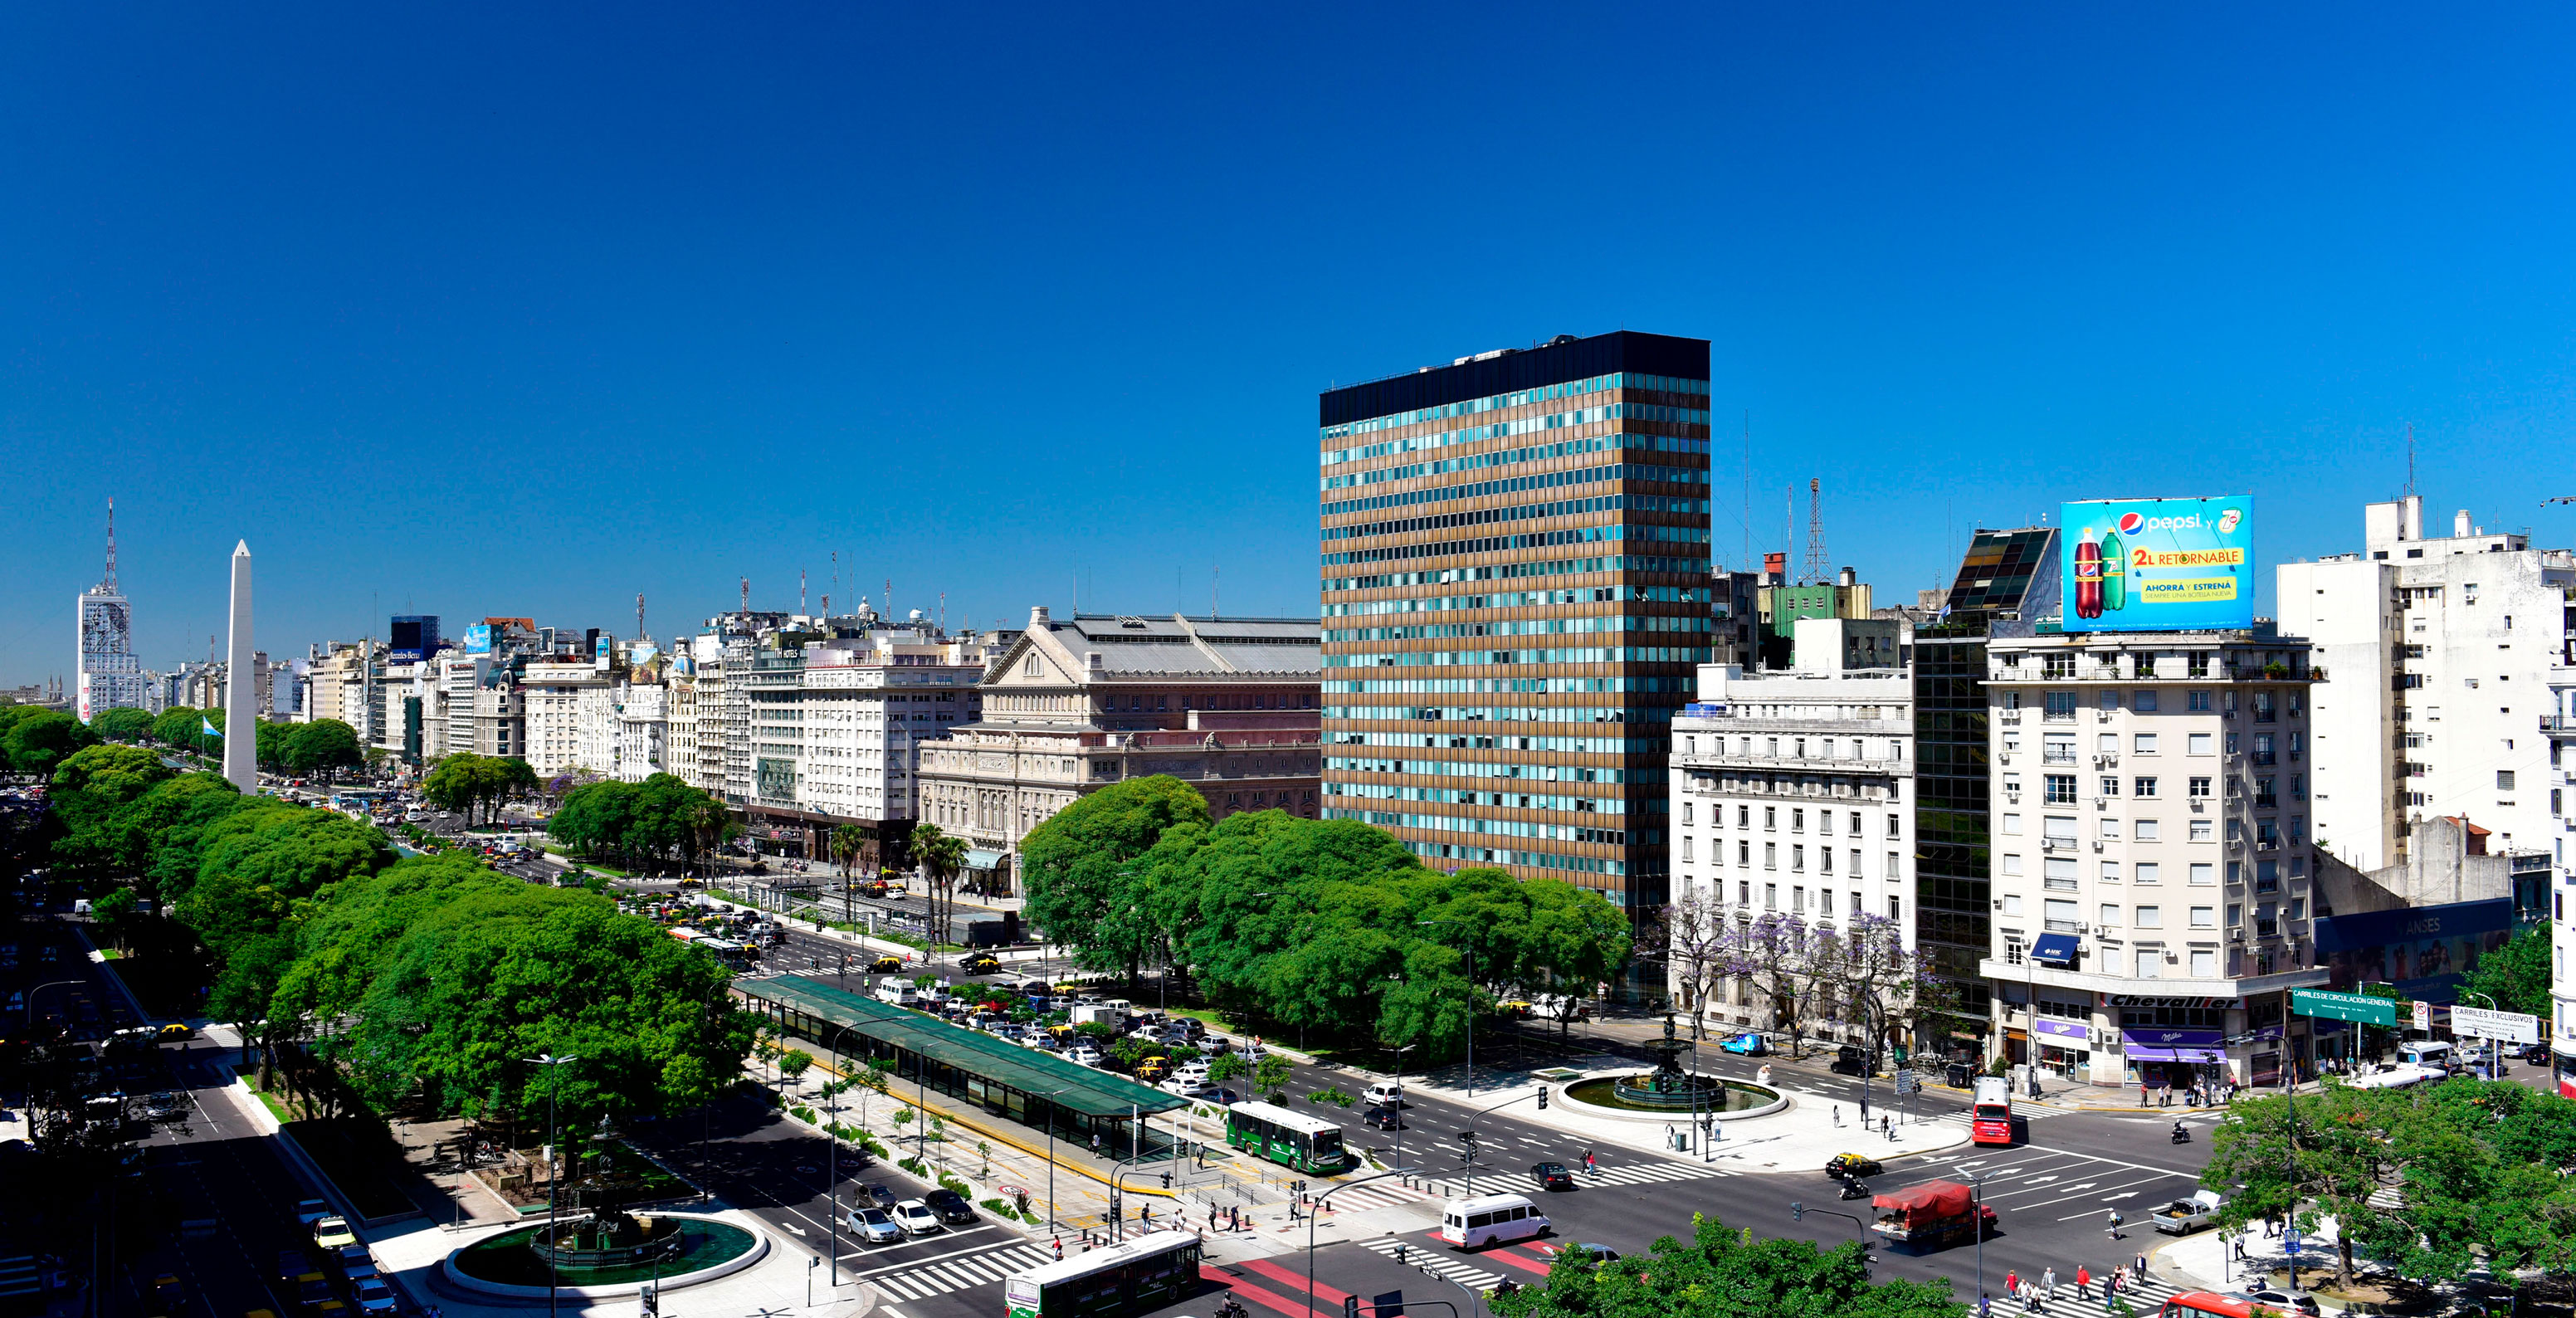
<point>1050,1096</point>
<point>1977,1223</point>
<point>1469,953</point>
<point>554,1168</point>
<point>832,1153</point>
<point>2491,1043</point>
<point>1399,1102</point>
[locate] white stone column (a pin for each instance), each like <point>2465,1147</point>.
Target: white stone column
<point>241,699</point>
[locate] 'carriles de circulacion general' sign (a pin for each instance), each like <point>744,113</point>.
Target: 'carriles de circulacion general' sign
<point>2152,565</point>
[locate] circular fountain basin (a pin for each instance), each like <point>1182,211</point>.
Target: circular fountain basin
<point>702,1249</point>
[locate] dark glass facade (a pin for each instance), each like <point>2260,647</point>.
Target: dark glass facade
<point>2004,577</point>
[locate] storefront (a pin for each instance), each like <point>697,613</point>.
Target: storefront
<point>2176,1058</point>
<point>2065,1047</point>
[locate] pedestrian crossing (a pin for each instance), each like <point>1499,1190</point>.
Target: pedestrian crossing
<point>2144,1296</point>
<point>1500,1181</point>
<point>1432,1260</point>
<point>917,1281</point>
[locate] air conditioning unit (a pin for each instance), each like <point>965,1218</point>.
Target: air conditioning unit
<point>2097,844</point>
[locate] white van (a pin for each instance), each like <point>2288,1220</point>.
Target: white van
<point>1383,1094</point>
<point>1492,1219</point>
<point>2433,1053</point>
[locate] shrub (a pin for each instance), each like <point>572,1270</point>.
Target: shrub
<point>1333,1096</point>
<point>801,1113</point>
<point>912,1165</point>
<point>948,1182</point>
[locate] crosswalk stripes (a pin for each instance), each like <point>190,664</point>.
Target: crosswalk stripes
<point>920,1281</point>
<point>1639,1174</point>
<point>2146,1296</point>
<point>1418,1257</point>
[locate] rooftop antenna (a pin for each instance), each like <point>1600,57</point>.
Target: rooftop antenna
<point>889,599</point>
<point>1216,578</point>
<point>746,594</point>
<point>1817,568</point>
<point>639,615</point>
<point>943,612</point>
<point>800,590</point>
<point>1748,490</point>
<point>2410,468</point>
<point>836,582</point>
<point>111,544</point>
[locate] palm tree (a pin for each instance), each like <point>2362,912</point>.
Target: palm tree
<point>941,857</point>
<point>847,843</point>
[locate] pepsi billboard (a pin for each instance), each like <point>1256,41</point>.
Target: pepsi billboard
<point>2158,565</point>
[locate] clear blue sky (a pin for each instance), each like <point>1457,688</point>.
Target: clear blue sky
<point>477,312</point>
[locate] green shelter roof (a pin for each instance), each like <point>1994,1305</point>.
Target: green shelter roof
<point>1029,1070</point>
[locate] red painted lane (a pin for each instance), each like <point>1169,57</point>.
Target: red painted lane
<point>1298,1280</point>
<point>1500,1252</point>
<point>1257,1295</point>
<point>1506,1256</point>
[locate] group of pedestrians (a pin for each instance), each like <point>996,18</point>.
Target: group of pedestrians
<point>2034,1294</point>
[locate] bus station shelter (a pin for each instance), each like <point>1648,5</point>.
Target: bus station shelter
<point>1029,1086</point>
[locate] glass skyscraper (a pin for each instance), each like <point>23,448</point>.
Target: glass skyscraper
<point>1515,590</point>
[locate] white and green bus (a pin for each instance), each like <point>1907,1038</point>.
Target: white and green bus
<point>1140,1275</point>
<point>1309,1144</point>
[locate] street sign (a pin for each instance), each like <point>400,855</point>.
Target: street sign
<point>2510,1026</point>
<point>1906,1082</point>
<point>2423,1015</point>
<point>2358,1008</point>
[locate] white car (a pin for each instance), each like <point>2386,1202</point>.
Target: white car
<point>916,1219</point>
<point>1083,1054</point>
<point>1187,1086</point>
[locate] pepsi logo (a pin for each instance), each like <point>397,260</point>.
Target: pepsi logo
<point>2132,523</point>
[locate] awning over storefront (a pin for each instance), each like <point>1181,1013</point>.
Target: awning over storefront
<point>2206,1047</point>
<point>983,860</point>
<point>2054,949</point>
<point>2065,1030</point>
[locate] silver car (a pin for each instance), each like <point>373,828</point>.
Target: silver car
<point>871,1224</point>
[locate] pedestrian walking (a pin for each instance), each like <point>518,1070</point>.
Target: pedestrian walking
<point>1838,1116</point>
<point>2115,1224</point>
<point>1887,1125</point>
<point>1985,1306</point>
<point>1864,1112</point>
<point>1059,1249</point>
<point>2012,1281</point>
<point>2048,1281</point>
<point>2140,1268</point>
<point>2083,1282</point>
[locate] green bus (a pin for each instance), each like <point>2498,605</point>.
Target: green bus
<point>1140,1275</point>
<point>1306,1143</point>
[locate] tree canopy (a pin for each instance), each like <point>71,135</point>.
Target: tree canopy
<point>2516,975</point>
<point>1725,1273</point>
<point>121,724</point>
<point>38,741</point>
<point>658,821</point>
<point>475,785</point>
<point>325,745</point>
<point>2477,1165</point>
<point>1327,925</point>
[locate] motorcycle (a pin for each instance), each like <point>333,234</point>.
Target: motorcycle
<point>2180,1135</point>
<point>1855,1188</point>
<point>1230,1307</point>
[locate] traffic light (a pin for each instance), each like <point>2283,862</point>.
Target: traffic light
<point>1542,1099</point>
<point>1167,1180</point>
<point>1350,1306</point>
<point>1797,1212</point>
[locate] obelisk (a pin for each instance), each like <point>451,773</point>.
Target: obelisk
<point>241,686</point>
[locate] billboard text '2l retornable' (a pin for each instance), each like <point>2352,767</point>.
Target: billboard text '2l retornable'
<point>2155,565</point>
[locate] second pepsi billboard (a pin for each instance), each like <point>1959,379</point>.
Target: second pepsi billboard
<point>2155,565</point>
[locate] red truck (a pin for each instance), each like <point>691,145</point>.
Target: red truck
<point>1933,1213</point>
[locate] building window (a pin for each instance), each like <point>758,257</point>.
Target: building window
<point>1743,855</point>
<point>2199,788</point>
<point>2146,871</point>
<point>2012,904</point>
<point>2199,743</point>
<point>2061,788</point>
<point>2144,701</point>
<point>2143,787</point>
<point>2204,963</point>
<point>2151,963</point>
<point>2203,873</point>
<point>2200,699</point>
<point>2504,780</point>
<point>2061,707</point>
<point>1770,855</point>
<point>2151,917</point>
<point>1770,896</point>
<point>2110,913</point>
<point>2012,824</point>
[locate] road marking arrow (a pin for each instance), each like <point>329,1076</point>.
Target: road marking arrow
<point>2039,1180</point>
<point>2124,1194</point>
<point>2086,1186</point>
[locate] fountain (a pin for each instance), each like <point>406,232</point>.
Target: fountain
<point>1669,1088</point>
<point>602,1248</point>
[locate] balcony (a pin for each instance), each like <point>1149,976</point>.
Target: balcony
<point>2264,758</point>
<point>2058,844</point>
<point>2062,926</point>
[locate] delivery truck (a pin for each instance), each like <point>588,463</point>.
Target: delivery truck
<point>1933,1213</point>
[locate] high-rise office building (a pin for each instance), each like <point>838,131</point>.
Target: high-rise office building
<point>111,676</point>
<point>1515,592</point>
<point>412,638</point>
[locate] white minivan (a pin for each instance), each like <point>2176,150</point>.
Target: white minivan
<point>1492,1219</point>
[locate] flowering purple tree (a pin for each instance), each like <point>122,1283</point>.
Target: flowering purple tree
<point>1704,946</point>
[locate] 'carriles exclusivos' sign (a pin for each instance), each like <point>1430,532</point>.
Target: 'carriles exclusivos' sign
<point>2143,565</point>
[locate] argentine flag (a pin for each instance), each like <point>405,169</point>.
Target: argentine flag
<point>207,726</point>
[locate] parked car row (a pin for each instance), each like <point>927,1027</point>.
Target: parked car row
<point>881,1219</point>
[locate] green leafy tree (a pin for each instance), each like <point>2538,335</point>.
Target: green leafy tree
<point>2515,975</point>
<point>324,746</point>
<point>121,724</point>
<point>178,727</point>
<point>115,913</point>
<point>1723,1273</point>
<point>89,792</point>
<point>37,743</point>
<point>795,1062</point>
<point>941,857</point>
<point>1077,866</point>
<point>270,749</point>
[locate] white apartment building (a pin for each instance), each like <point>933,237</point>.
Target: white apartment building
<point>553,694</point>
<point>2441,651</point>
<point>836,728</point>
<point>2152,880</point>
<point>2560,724</point>
<point>458,678</point>
<point>1792,794</point>
<point>640,725</point>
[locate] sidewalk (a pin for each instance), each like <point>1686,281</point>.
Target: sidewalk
<point>2205,1259</point>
